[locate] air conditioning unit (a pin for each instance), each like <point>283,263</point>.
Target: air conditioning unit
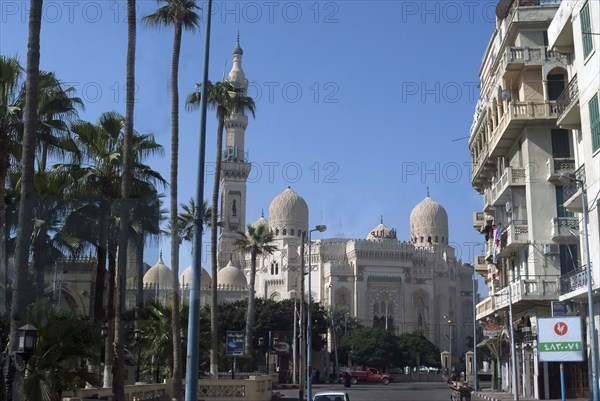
<point>551,249</point>
<point>508,206</point>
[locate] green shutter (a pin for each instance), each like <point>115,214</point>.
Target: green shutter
<point>586,29</point>
<point>595,122</point>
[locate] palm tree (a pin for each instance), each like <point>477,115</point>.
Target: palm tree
<point>181,14</point>
<point>24,225</point>
<point>126,189</point>
<point>225,98</point>
<point>258,240</point>
<point>186,219</point>
<point>96,168</point>
<point>10,117</point>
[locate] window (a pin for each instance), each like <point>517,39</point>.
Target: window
<point>560,200</point>
<point>556,85</point>
<point>586,30</point>
<point>569,258</point>
<point>560,143</point>
<point>595,122</point>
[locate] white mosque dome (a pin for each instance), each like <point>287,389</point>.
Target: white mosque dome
<point>186,277</point>
<point>382,232</point>
<point>159,275</point>
<point>429,223</point>
<point>231,276</point>
<point>288,214</point>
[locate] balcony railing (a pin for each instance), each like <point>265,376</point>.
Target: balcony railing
<point>515,235</point>
<point>572,191</point>
<point>481,265</point>
<point>512,176</point>
<point>566,100</point>
<point>573,281</point>
<point>558,166</point>
<point>565,229</point>
<point>516,116</point>
<point>521,56</point>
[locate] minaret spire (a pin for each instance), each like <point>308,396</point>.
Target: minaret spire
<point>428,192</point>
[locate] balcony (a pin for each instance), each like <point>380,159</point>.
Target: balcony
<point>516,59</point>
<point>572,192</point>
<point>568,106</point>
<point>481,265</point>
<point>533,289</point>
<point>489,250</point>
<point>499,194</point>
<point>512,122</point>
<point>565,230</point>
<point>481,220</point>
<point>559,166</point>
<point>574,284</point>
<point>513,238</point>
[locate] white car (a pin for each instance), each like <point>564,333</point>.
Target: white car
<point>331,396</point>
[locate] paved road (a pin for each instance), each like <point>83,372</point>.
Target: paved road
<point>376,392</point>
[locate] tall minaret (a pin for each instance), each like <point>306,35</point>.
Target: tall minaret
<point>234,171</point>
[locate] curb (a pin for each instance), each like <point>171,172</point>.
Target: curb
<point>485,396</point>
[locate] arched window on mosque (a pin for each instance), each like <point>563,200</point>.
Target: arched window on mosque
<point>276,268</point>
<point>442,240</point>
<point>420,325</point>
<point>421,239</point>
<point>292,231</point>
<point>429,239</point>
<point>284,231</point>
<point>277,231</point>
<point>436,239</point>
<point>272,268</point>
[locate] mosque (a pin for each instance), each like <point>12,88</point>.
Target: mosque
<point>401,286</point>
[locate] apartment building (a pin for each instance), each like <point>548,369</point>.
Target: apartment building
<point>520,158</point>
<point>575,32</point>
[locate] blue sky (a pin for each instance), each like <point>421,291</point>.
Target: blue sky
<point>361,105</point>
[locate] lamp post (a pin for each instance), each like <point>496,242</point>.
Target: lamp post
<point>193,340</point>
<point>450,338</point>
<point>319,228</point>
<point>138,335</point>
<point>18,360</point>
<point>588,274</point>
<point>474,328</point>
<point>513,350</point>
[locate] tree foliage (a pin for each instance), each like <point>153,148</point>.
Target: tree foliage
<point>374,347</point>
<point>416,350</point>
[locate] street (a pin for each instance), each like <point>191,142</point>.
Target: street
<point>374,392</point>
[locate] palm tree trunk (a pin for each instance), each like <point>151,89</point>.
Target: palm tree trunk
<point>3,223</point>
<point>24,227</point>
<point>251,305</point>
<point>177,353</point>
<point>118,382</point>
<point>99,279</point>
<point>214,314</point>
<point>109,367</point>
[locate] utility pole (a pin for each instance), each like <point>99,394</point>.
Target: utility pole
<point>301,363</point>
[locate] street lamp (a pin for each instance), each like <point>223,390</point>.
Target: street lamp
<point>450,335</point>
<point>319,228</point>
<point>513,350</point>
<point>588,274</point>
<point>138,335</point>
<point>17,360</point>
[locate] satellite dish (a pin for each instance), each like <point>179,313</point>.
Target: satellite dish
<point>505,95</point>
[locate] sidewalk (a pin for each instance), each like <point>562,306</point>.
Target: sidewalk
<point>492,395</point>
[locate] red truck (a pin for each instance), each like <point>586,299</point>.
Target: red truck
<point>369,375</point>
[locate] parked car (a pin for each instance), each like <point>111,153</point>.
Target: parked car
<point>331,396</point>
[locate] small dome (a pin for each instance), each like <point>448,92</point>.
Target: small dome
<point>231,275</point>
<point>159,275</point>
<point>186,277</point>
<point>260,222</point>
<point>288,211</point>
<point>382,232</point>
<point>429,220</point>
<point>238,50</point>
